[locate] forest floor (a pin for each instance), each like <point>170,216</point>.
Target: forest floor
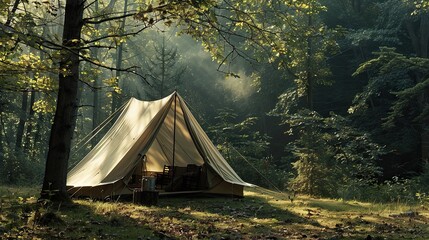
<point>261,214</point>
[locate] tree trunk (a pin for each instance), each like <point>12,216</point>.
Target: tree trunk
<point>119,50</point>
<point>310,82</point>
<point>27,144</point>
<point>21,123</point>
<point>424,41</point>
<point>162,67</point>
<point>96,98</point>
<point>1,136</point>
<point>38,135</point>
<point>357,5</point>
<point>54,182</point>
<point>424,35</point>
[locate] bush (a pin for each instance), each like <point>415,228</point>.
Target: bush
<point>18,168</point>
<point>395,190</point>
<point>333,159</point>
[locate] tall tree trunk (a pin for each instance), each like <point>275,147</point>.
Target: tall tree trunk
<point>96,98</point>
<point>1,136</point>
<point>162,66</point>
<point>424,41</point>
<point>38,135</point>
<point>424,35</point>
<point>27,144</point>
<point>22,121</point>
<point>357,5</point>
<point>54,182</point>
<point>119,50</point>
<point>310,81</point>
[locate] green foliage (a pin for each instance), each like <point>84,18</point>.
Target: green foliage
<point>240,134</point>
<point>164,69</point>
<point>24,73</point>
<point>331,156</point>
<point>408,191</point>
<point>20,164</point>
<point>395,92</point>
<point>18,168</point>
<point>246,149</point>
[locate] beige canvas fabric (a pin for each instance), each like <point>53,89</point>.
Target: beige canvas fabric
<point>212,155</point>
<point>118,151</point>
<point>146,128</point>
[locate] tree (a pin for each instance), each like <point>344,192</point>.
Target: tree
<point>22,71</point>
<point>54,182</point>
<point>333,158</point>
<point>119,59</point>
<point>396,75</point>
<point>394,94</point>
<point>163,69</point>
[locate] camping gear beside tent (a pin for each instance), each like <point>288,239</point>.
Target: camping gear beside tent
<point>159,139</point>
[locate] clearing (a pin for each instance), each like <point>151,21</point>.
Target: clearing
<point>260,215</point>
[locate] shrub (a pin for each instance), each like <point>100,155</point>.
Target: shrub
<point>333,159</point>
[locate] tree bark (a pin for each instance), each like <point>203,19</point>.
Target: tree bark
<point>21,123</point>
<point>357,5</point>
<point>162,67</point>
<point>424,41</point>
<point>1,135</point>
<point>424,35</point>
<point>27,144</point>
<point>310,81</point>
<point>38,136</point>
<point>54,182</point>
<point>115,95</point>
<point>97,85</point>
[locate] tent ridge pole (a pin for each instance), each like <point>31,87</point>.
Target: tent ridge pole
<point>174,138</point>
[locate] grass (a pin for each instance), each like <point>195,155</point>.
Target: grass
<point>260,215</point>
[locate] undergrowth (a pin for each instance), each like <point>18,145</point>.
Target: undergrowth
<point>262,214</point>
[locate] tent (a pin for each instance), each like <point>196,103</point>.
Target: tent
<point>153,140</point>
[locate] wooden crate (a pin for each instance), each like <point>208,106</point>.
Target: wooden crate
<point>146,197</point>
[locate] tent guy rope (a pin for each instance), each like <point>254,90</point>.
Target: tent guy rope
<point>85,140</point>
<point>241,155</point>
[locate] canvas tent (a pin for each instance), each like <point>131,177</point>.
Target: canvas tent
<point>147,137</point>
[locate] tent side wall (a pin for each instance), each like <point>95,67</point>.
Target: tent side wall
<point>209,152</point>
<point>117,153</point>
<point>100,191</point>
<point>226,188</point>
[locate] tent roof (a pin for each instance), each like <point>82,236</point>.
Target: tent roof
<point>142,126</point>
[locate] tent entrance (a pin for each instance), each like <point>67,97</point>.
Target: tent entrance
<point>171,179</point>
<point>173,158</point>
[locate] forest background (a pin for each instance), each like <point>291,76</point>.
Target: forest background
<point>330,100</point>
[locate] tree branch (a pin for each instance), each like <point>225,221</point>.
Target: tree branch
<point>87,21</point>
<point>52,45</point>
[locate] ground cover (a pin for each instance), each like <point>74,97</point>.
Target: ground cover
<point>260,215</point>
